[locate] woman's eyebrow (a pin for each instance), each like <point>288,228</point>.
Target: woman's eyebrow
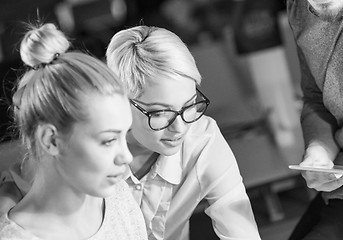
<point>111,131</point>
<point>164,105</point>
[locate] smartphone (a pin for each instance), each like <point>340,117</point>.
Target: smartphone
<point>337,169</point>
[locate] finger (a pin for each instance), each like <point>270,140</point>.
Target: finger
<point>329,186</point>
<point>307,162</point>
<point>319,177</point>
<point>319,181</point>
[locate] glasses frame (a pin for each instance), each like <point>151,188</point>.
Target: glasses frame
<point>178,113</point>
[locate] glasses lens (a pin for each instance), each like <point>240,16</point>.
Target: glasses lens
<point>194,112</point>
<point>161,119</point>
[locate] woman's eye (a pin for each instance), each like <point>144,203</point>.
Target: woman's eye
<point>109,142</point>
<point>158,114</point>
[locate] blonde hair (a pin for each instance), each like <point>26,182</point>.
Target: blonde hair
<point>50,90</point>
<point>141,53</point>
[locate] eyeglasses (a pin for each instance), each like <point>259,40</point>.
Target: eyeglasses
<point>162,119</point>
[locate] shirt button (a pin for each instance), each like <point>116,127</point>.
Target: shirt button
<point>138,187</point>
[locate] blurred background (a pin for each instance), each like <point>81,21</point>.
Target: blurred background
<point>245,52</point>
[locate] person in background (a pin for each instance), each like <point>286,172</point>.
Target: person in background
<point>317,28</point>
<point>73,116</point>
<point>180,156</point>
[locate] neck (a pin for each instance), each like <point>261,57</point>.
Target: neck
<point>58,209</point>
<point>142,166</point>
<point>54,196</point>
<point>135,147</point>
<point>143,158</point>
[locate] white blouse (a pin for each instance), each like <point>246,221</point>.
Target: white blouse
<point>205,168</point>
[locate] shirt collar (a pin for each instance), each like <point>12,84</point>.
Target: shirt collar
<point>128,174</point>
<point>170,168</point>
<point>167,167</point>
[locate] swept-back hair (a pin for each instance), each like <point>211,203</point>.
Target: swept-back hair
<point>141,53</point>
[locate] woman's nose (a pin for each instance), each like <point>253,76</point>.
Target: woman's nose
<point>178,125</point>
<point>124,156</point>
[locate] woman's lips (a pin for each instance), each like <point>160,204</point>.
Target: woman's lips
<point>113,179</point>
<point>118,175</point>
<point>175,141</point>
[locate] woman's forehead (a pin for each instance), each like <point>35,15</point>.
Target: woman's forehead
<point>169,85</point>
<point>168,91</point>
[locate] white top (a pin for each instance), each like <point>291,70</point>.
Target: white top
<point>122,220</point>
<point>206,168</point>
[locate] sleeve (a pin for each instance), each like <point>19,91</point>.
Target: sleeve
<point>14,175</point>
<point>18,169</point>
<point>318,124</point>
<point>221,183</point>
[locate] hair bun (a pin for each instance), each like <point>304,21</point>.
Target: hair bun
<point>41,44</point>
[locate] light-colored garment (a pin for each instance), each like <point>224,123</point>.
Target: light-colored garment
<point>122,220</point>
<point>204,168</point>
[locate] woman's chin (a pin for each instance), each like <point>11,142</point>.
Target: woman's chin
<point>170,150</point>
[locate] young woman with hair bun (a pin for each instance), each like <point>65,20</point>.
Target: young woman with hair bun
<point>73,116</point>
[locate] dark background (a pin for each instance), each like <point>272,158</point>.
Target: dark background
<point>204,18</point>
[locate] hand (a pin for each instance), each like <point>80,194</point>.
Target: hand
<point>337,193</point>
<point>317,156</point>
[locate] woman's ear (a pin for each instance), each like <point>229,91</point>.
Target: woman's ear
<point>47,137</point>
